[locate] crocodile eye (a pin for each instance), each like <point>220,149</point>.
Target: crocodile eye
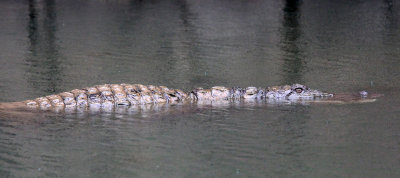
<point>299,90</point>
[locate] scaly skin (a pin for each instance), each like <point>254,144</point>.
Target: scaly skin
<point>115,95</point>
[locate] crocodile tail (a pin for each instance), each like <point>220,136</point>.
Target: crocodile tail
<point>12,106</point>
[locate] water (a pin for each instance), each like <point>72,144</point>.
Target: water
<point>53,46</point>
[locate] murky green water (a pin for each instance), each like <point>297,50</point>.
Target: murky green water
<point>53,46</point>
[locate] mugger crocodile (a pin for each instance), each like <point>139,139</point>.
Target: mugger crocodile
<point>126,95</point>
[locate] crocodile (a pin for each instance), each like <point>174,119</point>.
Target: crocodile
<point>127,95</point>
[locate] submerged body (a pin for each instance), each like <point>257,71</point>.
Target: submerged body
<point>122,95</point>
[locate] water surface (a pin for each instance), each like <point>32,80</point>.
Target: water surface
<point>54,46</point>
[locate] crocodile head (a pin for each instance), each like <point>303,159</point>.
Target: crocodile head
<point>293,92</point>
<point>296,91</point>
<point>299,91</point>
